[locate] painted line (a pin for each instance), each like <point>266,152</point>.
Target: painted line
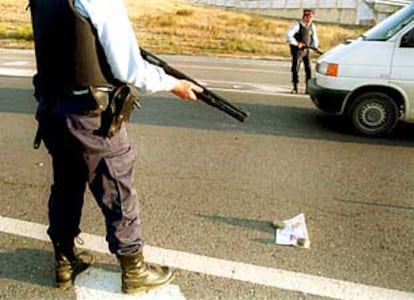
<point>6,71</point>
<point>17,63</point>
<point>240,83</point>
<point>232,69</point>
<point>16,72</point>
<point>272,277</point>
<point>285,93</point>
<point>97,284</point>
<point>13,72</point>
<point>221,60</point>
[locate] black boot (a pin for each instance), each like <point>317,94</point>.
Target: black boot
<point>138,276</point>
<point>295,88</point>
<point>69,263</point>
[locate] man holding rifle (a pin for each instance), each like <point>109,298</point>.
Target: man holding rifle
<point>302,36</point>
<point>88,66</point>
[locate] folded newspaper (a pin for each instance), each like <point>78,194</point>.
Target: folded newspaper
<point>292,232</point>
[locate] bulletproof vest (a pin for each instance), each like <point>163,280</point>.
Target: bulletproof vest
<point>68,53</point>
<point>304,35</point>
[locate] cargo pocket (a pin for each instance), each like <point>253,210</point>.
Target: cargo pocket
<point>121,165</point>
<point>124,199</point>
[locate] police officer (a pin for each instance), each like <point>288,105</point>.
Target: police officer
<point>84,50</point>
<point>302,36</point>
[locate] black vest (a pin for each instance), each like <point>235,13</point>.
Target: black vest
<point>69,55</point>
<point>304,35</point>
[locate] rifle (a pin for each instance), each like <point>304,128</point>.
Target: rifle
<point>316,50</point>
<point>206,96</point>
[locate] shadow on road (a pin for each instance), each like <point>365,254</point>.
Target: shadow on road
<point>34,266</point>
<point>274,120</point>
<point>256,225</point>
<point>28,265</point>
<point>385,205</point>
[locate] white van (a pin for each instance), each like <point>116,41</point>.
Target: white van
<point>370,79</point>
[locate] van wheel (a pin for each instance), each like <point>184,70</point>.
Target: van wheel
<point>374,114</point>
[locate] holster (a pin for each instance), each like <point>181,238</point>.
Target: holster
<point>101,99</point>
<point>117,107</point>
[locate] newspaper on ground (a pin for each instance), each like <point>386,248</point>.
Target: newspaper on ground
<point>292,232</point>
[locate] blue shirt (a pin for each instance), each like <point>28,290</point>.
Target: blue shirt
<point>117,37</point>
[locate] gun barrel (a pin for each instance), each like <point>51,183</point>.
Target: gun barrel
<point>316,50</point>
<point>206,96</point>
<point>218,102</point>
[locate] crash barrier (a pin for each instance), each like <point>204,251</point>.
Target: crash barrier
<point>332,11</point>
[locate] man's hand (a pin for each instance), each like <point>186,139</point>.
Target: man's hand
<point>186,90</point>
<point>301,45</point>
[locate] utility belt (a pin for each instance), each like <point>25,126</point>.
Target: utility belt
<point>114,105</point>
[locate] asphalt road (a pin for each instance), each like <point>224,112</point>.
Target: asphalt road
<point>211,186</point>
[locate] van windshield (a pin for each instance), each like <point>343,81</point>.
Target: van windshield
<point>391,25</point>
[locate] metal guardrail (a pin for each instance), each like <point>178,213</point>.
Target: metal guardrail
<point>337,11</point>
<point>280,4</point>
<point>390,2</point>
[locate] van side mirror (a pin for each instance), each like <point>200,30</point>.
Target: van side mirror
<point>407,40</point>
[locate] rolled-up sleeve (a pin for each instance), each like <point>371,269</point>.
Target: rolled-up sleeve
<point>315,39</point>
<point>290,34</point>
<point>117,37</point>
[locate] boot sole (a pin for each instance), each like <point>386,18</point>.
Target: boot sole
<point>146,289</point>
<point>64,285</point>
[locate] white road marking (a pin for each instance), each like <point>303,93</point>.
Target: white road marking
<point>272,277</point>
<point>230,69</point>
<point>16,63</point>
<point>281,92</point>
<point>233,86</point>
<point>23,73</point>
<point>240,84</point>
<point>16,72</point>
<point>259,89</point>
<point>97,284</point>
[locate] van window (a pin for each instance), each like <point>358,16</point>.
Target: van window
<point>391,25</point>
<point>408,39</point>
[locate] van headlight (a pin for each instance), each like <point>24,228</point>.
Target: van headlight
<point>327,69</point>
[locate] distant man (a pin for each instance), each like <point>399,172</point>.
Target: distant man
<point>301,36</point>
